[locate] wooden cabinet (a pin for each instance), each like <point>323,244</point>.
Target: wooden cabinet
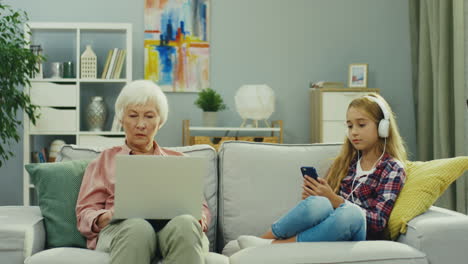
<point>328,112</point>
<point>212,136</point>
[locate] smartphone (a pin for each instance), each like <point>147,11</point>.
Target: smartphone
<point>309,171</point>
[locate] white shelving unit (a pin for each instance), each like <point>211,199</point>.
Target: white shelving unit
<point>63,101</point>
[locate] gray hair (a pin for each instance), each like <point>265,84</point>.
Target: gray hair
<point>140,92</point>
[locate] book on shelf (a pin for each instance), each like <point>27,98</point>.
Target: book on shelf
<point>112,63</point>
<point>39,156</point>
<point>116,64</point>
<point>106,66</point>
<point>44,155</point>
<point>119,66</point>
<point>325,84</point>
<point>35,157</point>
<point>42,159</point>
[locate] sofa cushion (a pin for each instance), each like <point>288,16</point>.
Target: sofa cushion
<point>73,152</point>
<point>259,182</point>
<point>57,186</point>
<point>369,252</point>
<point>425,182</point>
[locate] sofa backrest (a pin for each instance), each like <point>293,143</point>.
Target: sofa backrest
<point>73,152</point>
<point>259,182</point>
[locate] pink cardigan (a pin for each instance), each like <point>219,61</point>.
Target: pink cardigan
<point>97,191</point>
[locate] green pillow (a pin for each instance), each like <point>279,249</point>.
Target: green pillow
<point>57,186</point>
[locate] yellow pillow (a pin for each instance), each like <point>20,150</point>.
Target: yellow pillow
<point>425,182</point>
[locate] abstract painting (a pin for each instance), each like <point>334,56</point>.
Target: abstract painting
<point>177,46</point>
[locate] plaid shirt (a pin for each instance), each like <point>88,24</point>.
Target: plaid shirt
<point>377,193</point>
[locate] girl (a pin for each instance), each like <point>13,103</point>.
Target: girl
<point>355,200</point>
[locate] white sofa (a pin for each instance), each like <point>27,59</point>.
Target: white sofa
<point>249,185</point>
<point>260,182</point>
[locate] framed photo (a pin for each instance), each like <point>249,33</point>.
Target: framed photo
<point>357,76</point>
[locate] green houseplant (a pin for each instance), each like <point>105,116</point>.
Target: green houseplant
<point>17,64</point>
<point>210,102</point>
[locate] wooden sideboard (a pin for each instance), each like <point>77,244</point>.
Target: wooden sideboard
<point>206,135</point>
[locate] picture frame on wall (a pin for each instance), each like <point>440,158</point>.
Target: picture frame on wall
<point>358,75</point>
<point>177,44</point>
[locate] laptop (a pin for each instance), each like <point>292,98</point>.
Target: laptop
<point>158,187</point>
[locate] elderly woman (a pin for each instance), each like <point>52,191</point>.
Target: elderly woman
<point>142,110</point>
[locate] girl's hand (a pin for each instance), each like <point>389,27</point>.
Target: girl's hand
<point>320,187</point>
<point>305,193</point>
<point>317,187</point>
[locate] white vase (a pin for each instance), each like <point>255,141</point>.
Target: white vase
<point>96,114</point>
<point>55,147</point>
<point>210,119</point>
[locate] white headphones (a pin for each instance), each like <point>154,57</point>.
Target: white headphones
<point>384,124</point>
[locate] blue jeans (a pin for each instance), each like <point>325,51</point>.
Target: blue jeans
<point>314,219</point>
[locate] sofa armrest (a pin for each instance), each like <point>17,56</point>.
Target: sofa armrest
<point>440,233</point>
<point>22,233</point>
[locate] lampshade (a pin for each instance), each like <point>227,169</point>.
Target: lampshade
<point>255,102</point>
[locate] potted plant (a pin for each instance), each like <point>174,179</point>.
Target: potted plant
<point>18,63</point>
<point>210,102</point>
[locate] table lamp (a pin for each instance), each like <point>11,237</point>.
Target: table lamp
<point>256,102</point>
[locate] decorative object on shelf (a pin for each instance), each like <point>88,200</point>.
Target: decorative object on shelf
<point>37,50</point>
<point>357,76</point>
<point>210,102</point>
<point>56,70</point>
<point>256,102</point>
<point>210,119</point>
<point>88,64</point>
<point>17,65</point>
<point>325,84</point>
<point>177,44</point>
<point>54,149</point>
<point>68,70</point>
<point>96,114</point>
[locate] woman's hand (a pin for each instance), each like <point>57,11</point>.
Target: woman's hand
<point>104,219</point>
<point>203,223</point>
<point>320,187</point>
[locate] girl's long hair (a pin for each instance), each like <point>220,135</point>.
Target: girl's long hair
<point>395,144</point>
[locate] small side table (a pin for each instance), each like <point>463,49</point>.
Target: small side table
<point>188,139</point>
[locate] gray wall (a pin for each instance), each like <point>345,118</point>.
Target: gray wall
<point>285,44</point>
